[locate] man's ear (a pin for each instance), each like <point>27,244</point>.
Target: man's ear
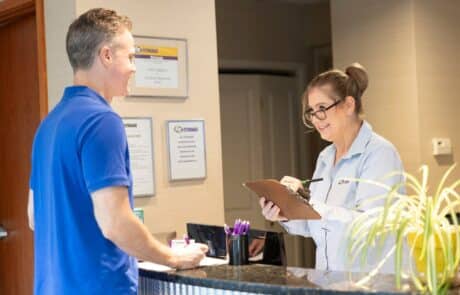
<point>105,55</point>
<point>350,105</point>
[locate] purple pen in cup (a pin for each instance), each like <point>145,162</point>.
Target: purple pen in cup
<point>237,242</point>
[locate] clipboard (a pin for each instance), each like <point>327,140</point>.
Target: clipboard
<point>291,206</point>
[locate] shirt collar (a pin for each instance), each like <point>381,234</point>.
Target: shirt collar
<point>80,90</point>
<point>357,147</point>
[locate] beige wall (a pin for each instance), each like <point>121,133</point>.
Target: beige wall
<point>185,201</point>
<point>437,31</point>
<point>410,49</point>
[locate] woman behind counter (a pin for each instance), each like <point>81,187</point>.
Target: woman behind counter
<point>332,105</point>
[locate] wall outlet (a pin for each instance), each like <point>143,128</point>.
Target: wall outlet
<point>441,146</point>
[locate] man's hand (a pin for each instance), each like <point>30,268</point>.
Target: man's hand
<point>190,256</point>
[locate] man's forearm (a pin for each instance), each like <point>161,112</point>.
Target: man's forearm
<point>119,224</point>
<point>130,235</point>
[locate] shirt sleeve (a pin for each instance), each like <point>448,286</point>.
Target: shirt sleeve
<point>296,227</point>
<point>378,164</point>
<point>104,153</point>
<point>300,227</point>
<point>378,167</point>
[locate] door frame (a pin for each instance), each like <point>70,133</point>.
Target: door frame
<point>300,71</point>
<point>297,69</point>
<point>10,12</point>
<point>299,253</point>
<point>13,9</point>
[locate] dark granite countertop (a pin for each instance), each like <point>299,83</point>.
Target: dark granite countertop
<point>269,279</point>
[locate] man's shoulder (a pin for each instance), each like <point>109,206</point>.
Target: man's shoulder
<point>71,117</point>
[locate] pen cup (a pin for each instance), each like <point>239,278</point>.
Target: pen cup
<point>237,249</point>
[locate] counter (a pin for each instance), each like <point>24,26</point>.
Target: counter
<point>257,279</point>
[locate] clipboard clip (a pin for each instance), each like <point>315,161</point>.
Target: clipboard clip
<point>303,194</point>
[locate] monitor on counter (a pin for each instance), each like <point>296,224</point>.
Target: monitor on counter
<point>265,247</point>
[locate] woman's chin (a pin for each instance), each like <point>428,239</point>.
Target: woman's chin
<point>325,136</point>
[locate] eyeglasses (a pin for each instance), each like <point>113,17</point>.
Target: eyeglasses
<point>320,114</point>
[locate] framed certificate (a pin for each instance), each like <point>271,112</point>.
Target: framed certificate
<point>161,67</point>
<point>187,150</point>
<point>139,134</point>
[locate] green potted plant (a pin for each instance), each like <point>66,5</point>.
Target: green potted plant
<point>419,218</point>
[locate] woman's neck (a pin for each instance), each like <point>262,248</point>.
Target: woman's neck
<point>343,144</point>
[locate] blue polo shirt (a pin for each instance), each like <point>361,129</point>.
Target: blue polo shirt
<point>79,148</point>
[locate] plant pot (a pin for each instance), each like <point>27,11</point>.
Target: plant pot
<point>421,263</point>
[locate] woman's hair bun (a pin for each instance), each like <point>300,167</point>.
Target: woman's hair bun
<point>358,74</point>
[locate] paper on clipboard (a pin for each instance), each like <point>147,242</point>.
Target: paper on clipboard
<point>290,205</point>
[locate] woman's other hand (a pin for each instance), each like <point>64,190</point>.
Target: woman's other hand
<point>270,211</point>
<point>256,246</point>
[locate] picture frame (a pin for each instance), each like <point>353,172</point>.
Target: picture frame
<point>186,142</point>
<point>141,150</point>
<point>161,67</point>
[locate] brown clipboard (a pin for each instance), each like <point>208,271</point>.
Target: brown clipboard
<point>291,206</point>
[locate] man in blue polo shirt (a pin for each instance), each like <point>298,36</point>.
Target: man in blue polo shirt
<point>80,199</point>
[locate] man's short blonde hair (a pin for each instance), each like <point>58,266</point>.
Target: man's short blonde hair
<point>89,31</point>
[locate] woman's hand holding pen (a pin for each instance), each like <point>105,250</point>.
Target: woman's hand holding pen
<point>297,186</point>
<point>270,211</point>
<point>292,183</point>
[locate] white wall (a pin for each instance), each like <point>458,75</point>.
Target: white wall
<point>185,201</point>
<point>58,16</point>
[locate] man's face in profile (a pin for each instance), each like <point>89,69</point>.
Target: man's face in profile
<point>122,67</point>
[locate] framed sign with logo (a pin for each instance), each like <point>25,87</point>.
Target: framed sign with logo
<point>139,134</point>
<point>161,67</point>
<point>187,149</point>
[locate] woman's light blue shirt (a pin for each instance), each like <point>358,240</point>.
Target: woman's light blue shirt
<point>336,199</point>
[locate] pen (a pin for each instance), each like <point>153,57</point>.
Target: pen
<point>186,239</point>
<point>301,191</point>
<point>236,227</point>
<point>308,181</point>
<point>241,227</point>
